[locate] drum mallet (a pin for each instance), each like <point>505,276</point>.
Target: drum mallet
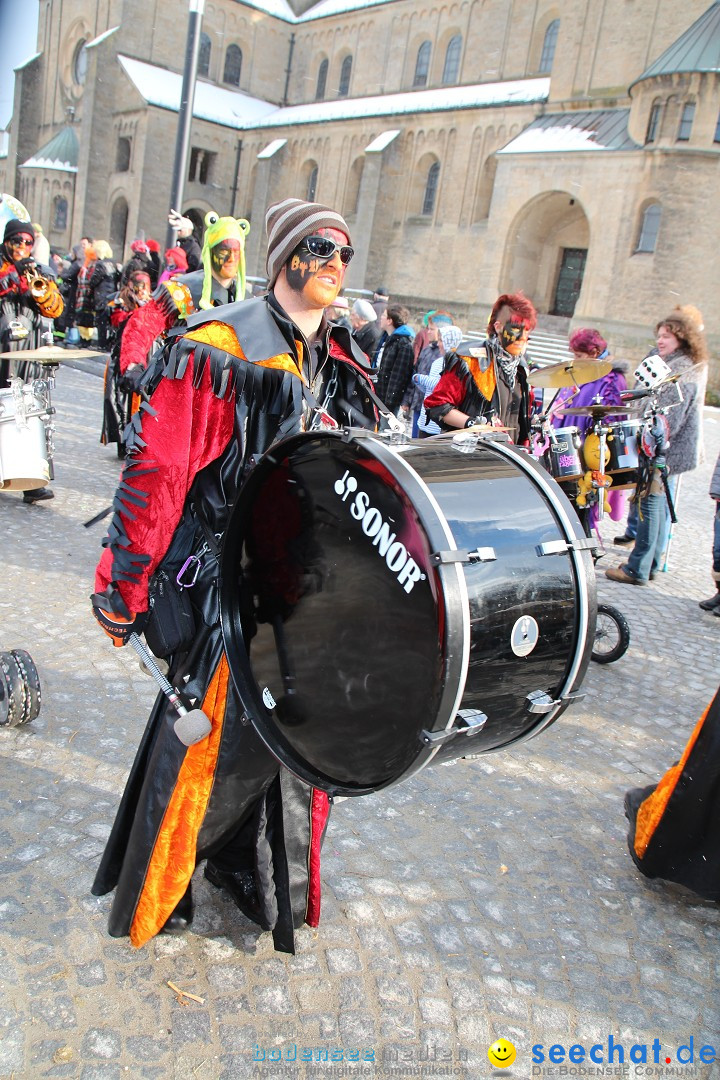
<point>192,725</point>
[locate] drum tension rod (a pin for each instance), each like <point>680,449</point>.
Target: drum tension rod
<point>467,722</point>
<point>485,554</point>
<point>559,547</point>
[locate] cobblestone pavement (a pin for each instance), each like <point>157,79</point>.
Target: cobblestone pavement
<point>491,898</point>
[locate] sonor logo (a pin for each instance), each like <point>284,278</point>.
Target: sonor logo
<point>395,554</point>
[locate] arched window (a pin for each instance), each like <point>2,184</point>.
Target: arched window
<point>60,213</point>
<point>233,65</point>
<point>118,227</point>
<point>653,123</point>
<point>452,60</point>
<point>352,189</point>
<point>422,65</point>
<point>649,228</point>
<point>686,121</point>
<point>345,73</point>
<point>122,154</point>
<point>321,80</point>
<point>548,50</point>
<point>204,55</point>
<point>431,186</point>
<point>312,184</point>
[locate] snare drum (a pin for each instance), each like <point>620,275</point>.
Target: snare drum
<point>24,459</point>
<point>404,604</point>
<point>622,443</point>
<point>563,454</point>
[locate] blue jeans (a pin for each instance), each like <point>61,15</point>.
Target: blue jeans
<point>666,524</point>
<point>716,542</point>
<point>632,521</point>
<point>645,556</point>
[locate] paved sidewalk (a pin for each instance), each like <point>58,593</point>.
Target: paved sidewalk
<point>491,898</point>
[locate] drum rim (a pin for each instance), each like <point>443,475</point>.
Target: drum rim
<point>450,577</point>
<point>585,606</point>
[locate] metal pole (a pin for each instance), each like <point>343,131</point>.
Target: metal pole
<point>187,96</point>
<point>235,181</point>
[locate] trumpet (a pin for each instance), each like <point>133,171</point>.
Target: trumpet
<point>44,292</point>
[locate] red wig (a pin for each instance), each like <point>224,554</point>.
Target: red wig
<point>520,310</point>
<point>177,256</point>
<point>587,341</point>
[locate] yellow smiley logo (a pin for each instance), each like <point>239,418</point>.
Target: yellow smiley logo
<point>501,1054</point>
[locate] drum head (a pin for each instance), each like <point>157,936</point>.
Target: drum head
<point>328,580</point>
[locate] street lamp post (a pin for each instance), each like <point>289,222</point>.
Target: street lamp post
<point>187,96</point>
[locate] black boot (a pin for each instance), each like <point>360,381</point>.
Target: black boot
<point>712,603</point>
<point>181,918</point>
<point>34,495</point>
<point>241,887</point>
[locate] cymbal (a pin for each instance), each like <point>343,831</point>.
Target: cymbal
<point>49,354</point>
<point>570,373</point>
<point>593,410</point>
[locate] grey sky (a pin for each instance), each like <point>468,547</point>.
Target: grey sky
<point>18,33</point>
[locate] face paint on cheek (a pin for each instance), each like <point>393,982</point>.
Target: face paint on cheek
<point>300,269</point>
<point>514,338</point>
<point>225,260</point>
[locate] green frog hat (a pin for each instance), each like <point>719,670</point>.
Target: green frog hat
<point>229,234</point>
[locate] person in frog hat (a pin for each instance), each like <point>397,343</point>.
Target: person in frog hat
<point>220,281</point>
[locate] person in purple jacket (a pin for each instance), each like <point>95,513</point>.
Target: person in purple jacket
<point>587,344</point>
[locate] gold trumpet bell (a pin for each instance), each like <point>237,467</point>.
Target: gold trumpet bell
<point>46,295</point>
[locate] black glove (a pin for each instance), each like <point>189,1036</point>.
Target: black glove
<point>130,381</point>
<point>117,621</point>
<point>24,265</point>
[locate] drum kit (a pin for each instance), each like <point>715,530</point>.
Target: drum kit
<point>27,431</point>
<point>26,462</point>
<point>610,448</point>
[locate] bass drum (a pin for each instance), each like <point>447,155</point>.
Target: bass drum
<point>402,604</point>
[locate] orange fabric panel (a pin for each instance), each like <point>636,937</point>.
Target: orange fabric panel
<point>173,858</point>
<point>484,380</point>
<point>219,335</point>
<point>652,810</point>
<point>284,362</point>
<point>222,336</point>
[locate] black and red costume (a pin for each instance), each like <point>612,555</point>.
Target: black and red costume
<point>674,824</point>
<point>475,382</point>
<point>229,389</point>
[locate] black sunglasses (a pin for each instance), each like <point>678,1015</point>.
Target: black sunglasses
<point>324,248</point>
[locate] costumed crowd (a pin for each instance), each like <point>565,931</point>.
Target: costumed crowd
<point>200,382</point>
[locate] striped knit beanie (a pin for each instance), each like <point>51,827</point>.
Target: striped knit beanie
<point>288,223</point>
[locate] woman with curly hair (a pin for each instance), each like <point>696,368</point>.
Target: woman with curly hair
<point>681,344</point>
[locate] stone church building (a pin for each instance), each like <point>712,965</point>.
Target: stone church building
<point>571,150</point>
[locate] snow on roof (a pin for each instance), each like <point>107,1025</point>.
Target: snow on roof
<point>281,8</point>
<point>162,88</point>
<point>60,153</point>
<point>597,129</point>
<point>336,7</point>
<point>477,96</point>
<point>28,61</point>
<point>101,37</point>
<point>381,141</point>
<point>271,148</point>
